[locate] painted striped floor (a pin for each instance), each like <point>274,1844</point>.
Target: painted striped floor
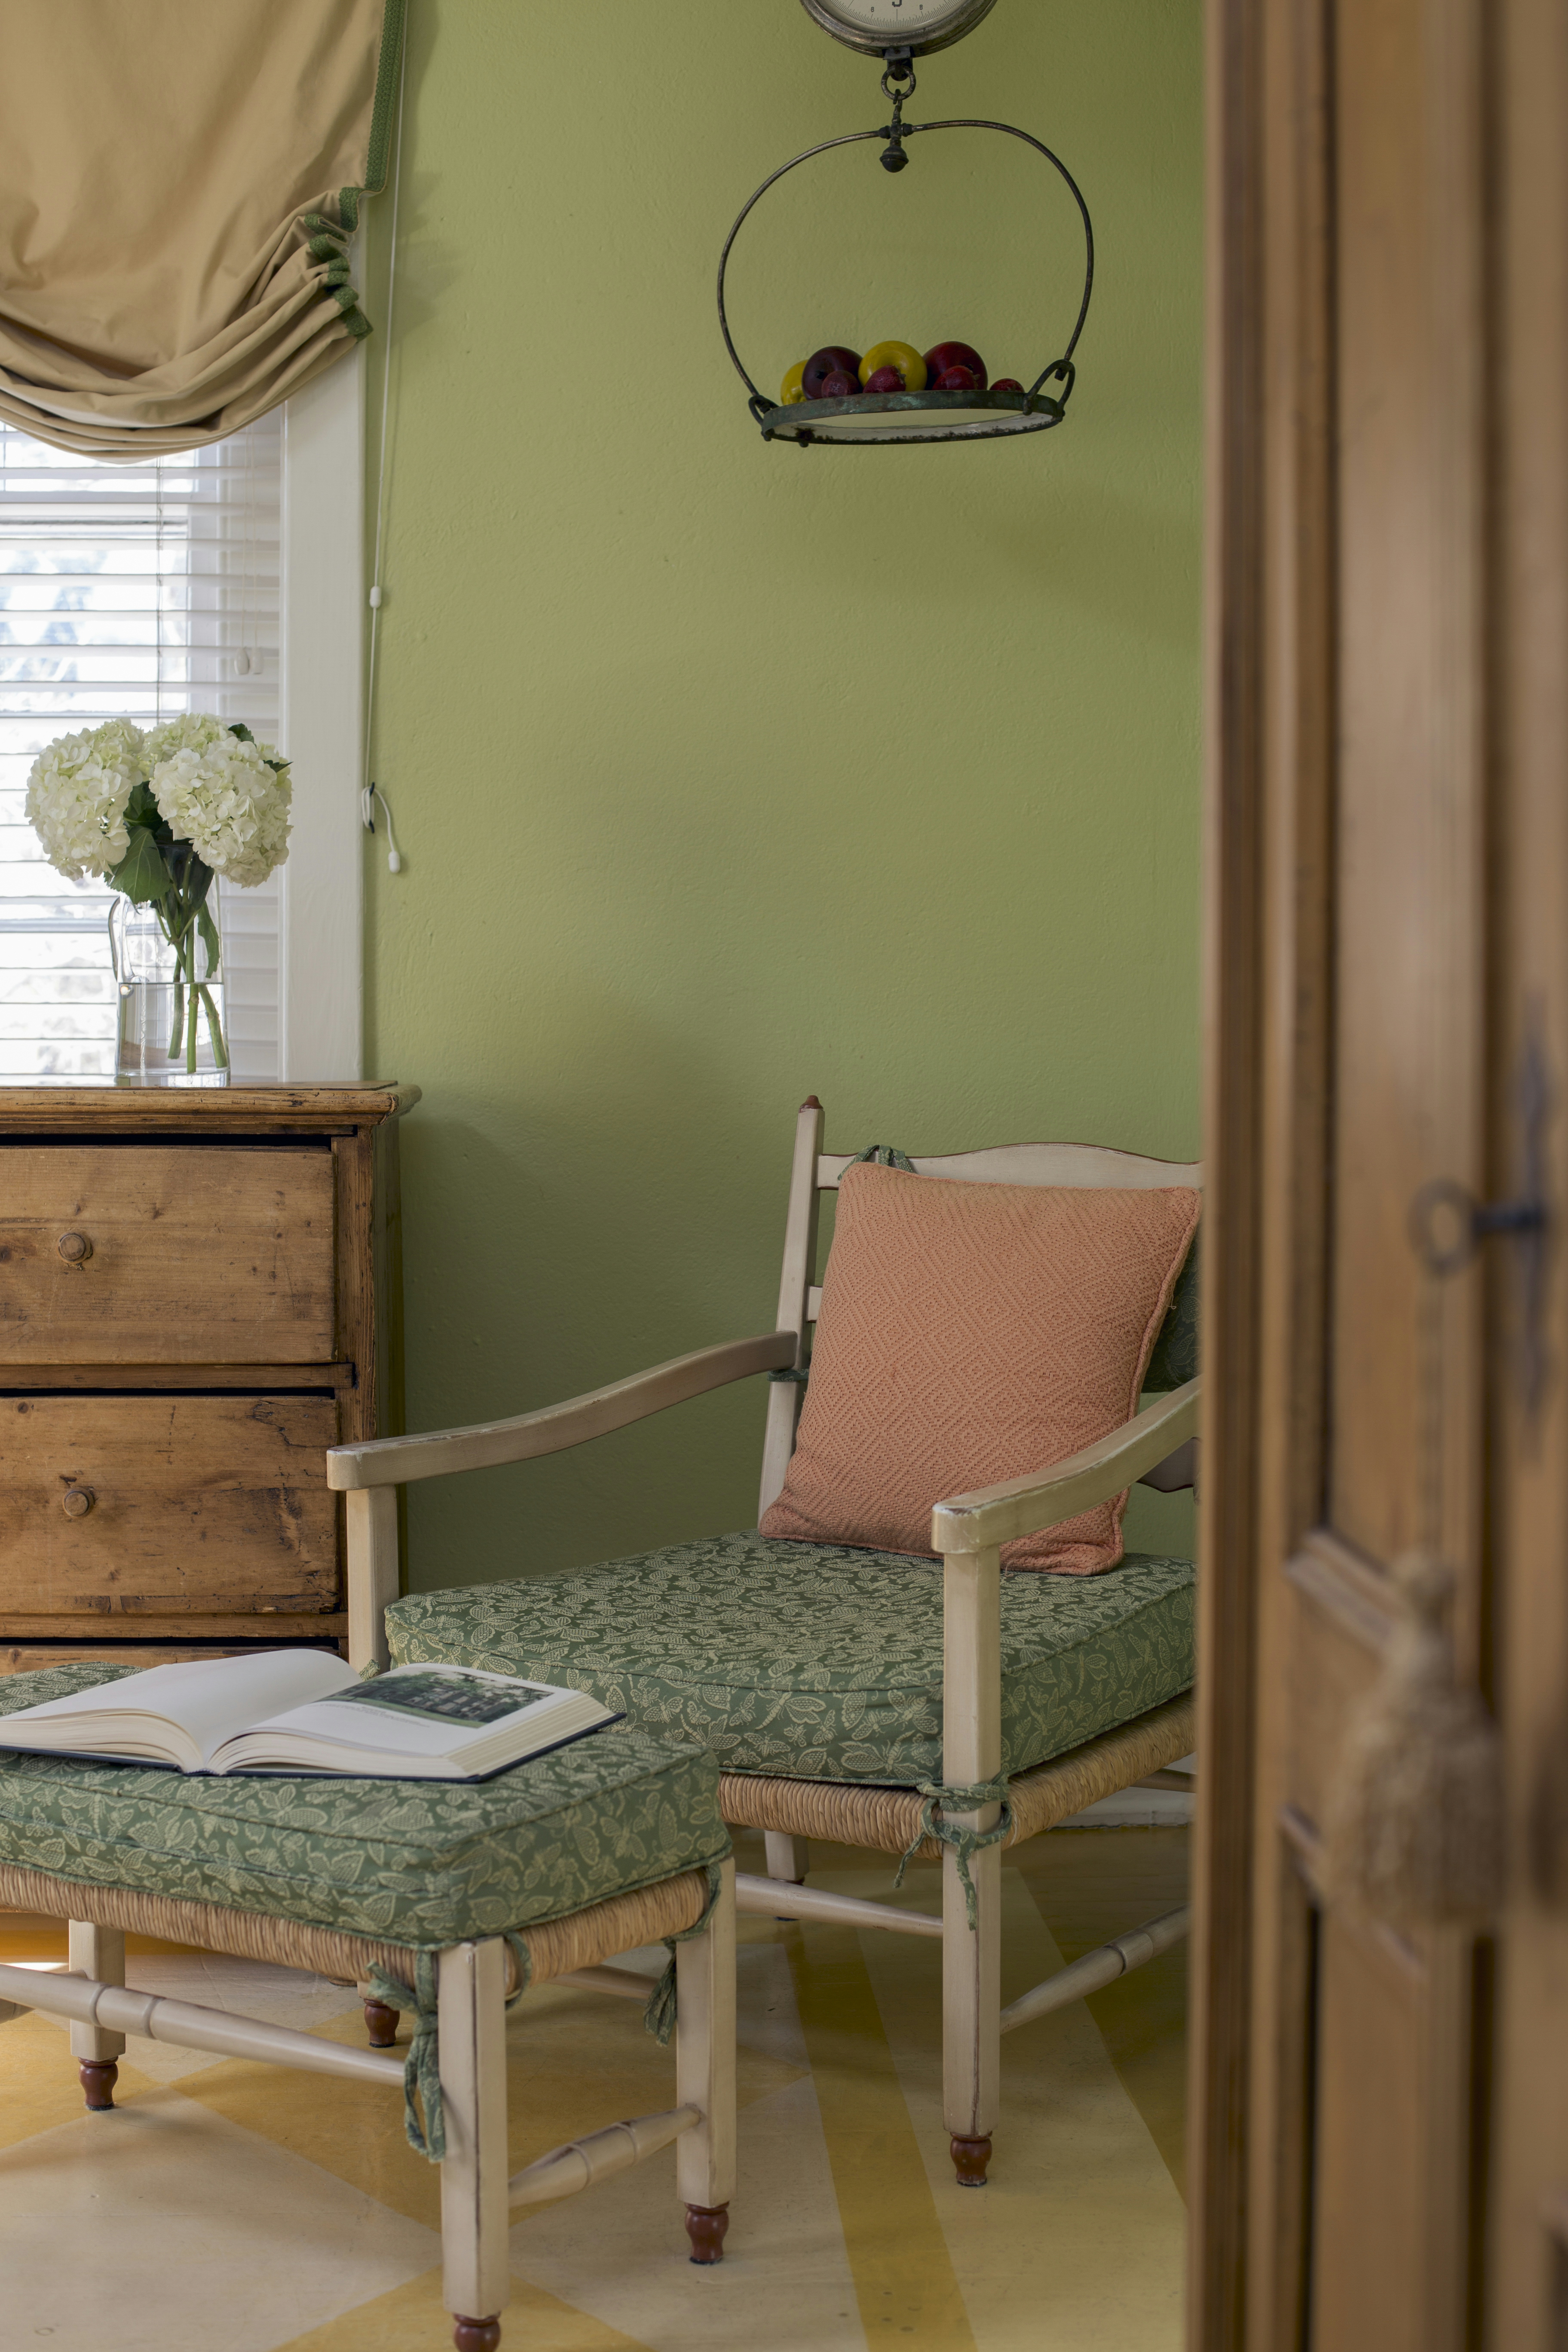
<point>232,2208</point>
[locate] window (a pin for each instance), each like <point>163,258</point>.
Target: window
<point>136,592</point>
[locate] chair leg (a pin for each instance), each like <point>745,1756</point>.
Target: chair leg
<point>705,2076</point>
<point>789,1858</point>
<point>98,1952</point>
<point>970,2013</point>
<point>475,2210</point>
<point>972,1957</point>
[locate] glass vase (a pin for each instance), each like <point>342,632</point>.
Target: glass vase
<point>168,968</point>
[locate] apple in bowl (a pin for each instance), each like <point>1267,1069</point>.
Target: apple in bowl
<point>832,359</point>
<point>905,362</point>
<point>943,357</point>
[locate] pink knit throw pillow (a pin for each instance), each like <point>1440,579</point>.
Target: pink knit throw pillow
<point>970,1333</point>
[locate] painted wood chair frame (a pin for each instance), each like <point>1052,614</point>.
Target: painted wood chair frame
<point>1157,1447</point>
<point>474,1981</point>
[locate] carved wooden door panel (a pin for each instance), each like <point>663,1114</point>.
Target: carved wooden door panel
<point>1380,2153</point>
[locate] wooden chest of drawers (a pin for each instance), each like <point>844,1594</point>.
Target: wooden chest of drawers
<point>199,1292</point>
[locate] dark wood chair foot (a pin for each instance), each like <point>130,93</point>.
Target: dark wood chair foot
<point>472,2335</point>
<point>381,2025</point>
<point>98,2077</point>
<point>705,2226</point>
<point>970,2158</point>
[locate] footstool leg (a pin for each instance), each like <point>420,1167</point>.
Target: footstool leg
<point>381,2025</point>
<point>475,2210</point>
<point>98,1952</point>
<point>705,2075</point>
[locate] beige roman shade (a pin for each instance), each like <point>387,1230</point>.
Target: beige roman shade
<point>178,183</point>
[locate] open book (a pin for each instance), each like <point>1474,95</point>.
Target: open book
<point>305,1711</point>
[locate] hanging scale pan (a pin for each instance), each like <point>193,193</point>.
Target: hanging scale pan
<point>876,418</point>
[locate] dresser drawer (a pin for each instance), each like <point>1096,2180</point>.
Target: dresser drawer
<point>127,1506</point>
<point>159,1253</point>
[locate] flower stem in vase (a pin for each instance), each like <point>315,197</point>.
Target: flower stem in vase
<point>215,1030</point>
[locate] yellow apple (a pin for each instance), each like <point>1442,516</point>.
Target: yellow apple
<point>902,356</point>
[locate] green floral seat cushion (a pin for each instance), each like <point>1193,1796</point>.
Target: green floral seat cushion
<point>816,1660</point>
<point>418,1863</point>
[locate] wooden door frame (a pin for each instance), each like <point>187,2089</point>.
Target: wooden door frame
<point>1268,1015</point>
<point>1221,1962</point>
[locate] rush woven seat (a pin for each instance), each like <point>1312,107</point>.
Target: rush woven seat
<point>819,1661</point>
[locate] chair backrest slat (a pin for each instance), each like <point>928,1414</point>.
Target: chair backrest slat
<point>1075,1164</point>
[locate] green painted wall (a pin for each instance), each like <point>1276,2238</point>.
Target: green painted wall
<point>725,773</point>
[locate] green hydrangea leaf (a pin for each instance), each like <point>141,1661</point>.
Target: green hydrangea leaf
<point>142,874</point>
<point>142,809</point>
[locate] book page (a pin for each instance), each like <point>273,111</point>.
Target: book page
<point>208,1699</point>
<point>442,1714</point>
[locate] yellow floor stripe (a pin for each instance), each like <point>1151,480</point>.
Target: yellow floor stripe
<point>1090,1885</point>
<point>1076,2245</point>
<point>904,2279</point>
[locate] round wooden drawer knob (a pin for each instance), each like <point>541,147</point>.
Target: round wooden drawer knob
<point>76,1501</point>
<point>75,1248</point>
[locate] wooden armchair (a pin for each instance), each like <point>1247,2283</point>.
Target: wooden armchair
<point>758,1789</point>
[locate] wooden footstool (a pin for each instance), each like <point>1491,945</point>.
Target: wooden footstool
<point>445,1899</point>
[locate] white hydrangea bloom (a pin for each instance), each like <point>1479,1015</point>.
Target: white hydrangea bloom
<point>191,732</point>
<point>77,791</point>
<point>219,794</point>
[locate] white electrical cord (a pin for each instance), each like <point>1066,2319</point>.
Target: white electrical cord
<point>370,791</point>
<point>367,801</point>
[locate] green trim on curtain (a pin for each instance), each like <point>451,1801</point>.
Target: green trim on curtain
<point>383,113</point>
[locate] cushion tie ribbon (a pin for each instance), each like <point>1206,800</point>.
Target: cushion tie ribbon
<point>659,2010</point>
<point>422,2067</point>
<point>883,1155</point>
<point>963,1842</point>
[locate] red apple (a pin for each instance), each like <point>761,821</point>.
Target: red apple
<point>951,355</point>
<point>832,359</point>
<point>839,385</point>
<point>1006,384</point>
<point>885,379</point>
<point>959,379</point>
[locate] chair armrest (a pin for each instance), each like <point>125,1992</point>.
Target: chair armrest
<point>1022,1507</point>
<point>393,1461</point>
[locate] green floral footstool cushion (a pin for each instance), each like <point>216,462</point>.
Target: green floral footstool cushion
<point>419,1863</point>
<point>816,1660</point>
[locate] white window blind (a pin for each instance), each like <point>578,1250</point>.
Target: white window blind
<point>128,591</point>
